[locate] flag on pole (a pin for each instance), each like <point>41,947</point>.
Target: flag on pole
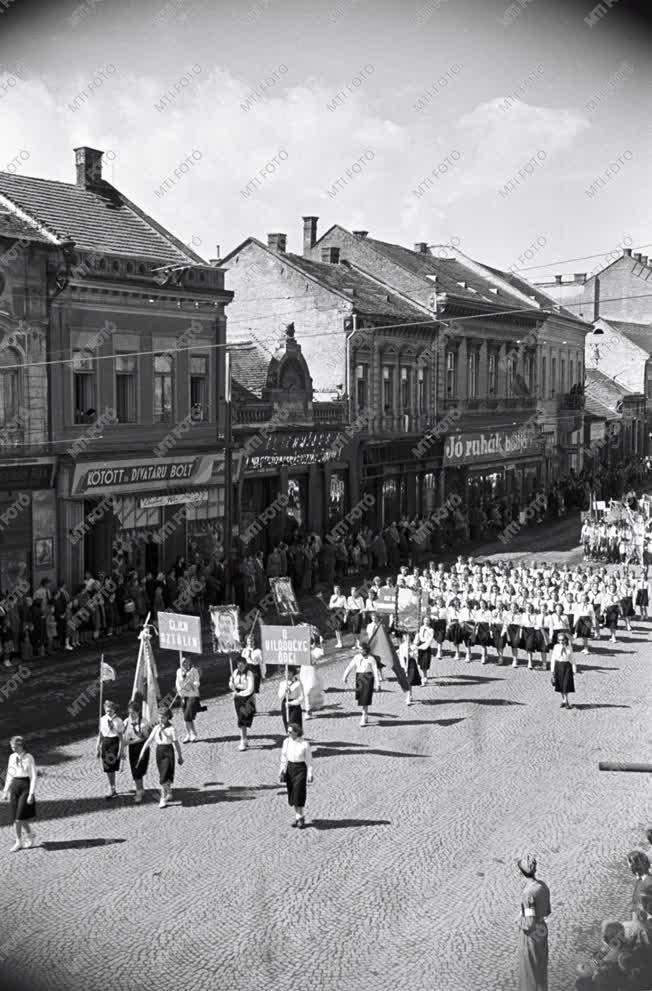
<point>107,673</point>
<point>146,690</point>
<point>383,649</point>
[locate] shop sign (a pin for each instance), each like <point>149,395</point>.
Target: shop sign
<point>285,644</point>
<point>312,447</point>
<point>178,632</point>
<point>158,473</point>
<point>597,431</point>
<point>174,499</point>
<point>490,446</point>
<point>30,475</point>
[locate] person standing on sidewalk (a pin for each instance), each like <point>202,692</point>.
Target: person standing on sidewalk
<point>367,679</point>
<point>187,688</point>
<point>533,934</point>
<point>562,669</point>
<point>296,771</point>
<point>109,745</point>
<point>241,684</point>
<point>164,736</point>
<point>20,789</point>
<point>135,735</point>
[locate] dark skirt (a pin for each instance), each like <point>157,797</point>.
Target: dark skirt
<point>627,606</point>
<point>642,597</point>
<point>296,778</point>
<point>583,627</point>
<point>337,620</point>
<point>190,708</point>
<point>514,635</point>
<point>483,635</point>
<point>413,673</point>
<point>355,622</point>
<point>245,709</point>
<point>611,617</point>
<point>109,750</point>
<point>498,636</point>
<point>564,681</point>
<point>255,670</point>
<point>21,809</point>
<point>439,628</point>
<point>364,688</point>
<point>138,769</point>
<point>424,661</point>
<point>554,639</point>
<point>468,633</point>
<point>528,639</point>
<point>291,714</point>
<point>455,634</point>
<point>165,763</point>
<point>533,959</point>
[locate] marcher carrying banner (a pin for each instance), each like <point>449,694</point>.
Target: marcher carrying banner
<point>146,690</point>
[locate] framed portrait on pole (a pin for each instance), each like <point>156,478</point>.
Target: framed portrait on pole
<point>225,629</point>
<point>284,597</point>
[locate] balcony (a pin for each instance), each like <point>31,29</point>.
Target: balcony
<point>323,414</point>
<point>246,413</point>
<point>489,404</point>
<point>327,413</point>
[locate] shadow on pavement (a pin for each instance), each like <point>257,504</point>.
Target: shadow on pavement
<point>463,680</point>
<point>423,722</point>
<point>599,705</point>
<point>345,823</point>
<point>587,668</point>
<point>471,702</point>
<point>193,797</point>
<point>346,750</point>
<point>76,844</point>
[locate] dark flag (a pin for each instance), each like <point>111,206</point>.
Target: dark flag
<point>383,650</point>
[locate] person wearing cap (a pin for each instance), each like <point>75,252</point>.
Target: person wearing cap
<point>296,771</point>
<point>187,687</point>
<point>533,934</point>
<point>136,731</point>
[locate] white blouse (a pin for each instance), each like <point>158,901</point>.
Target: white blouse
<point>187,683</point>
<point>164,734</point>
<point>296,752</point>
<point>111,727</point>
<point>20,766</point>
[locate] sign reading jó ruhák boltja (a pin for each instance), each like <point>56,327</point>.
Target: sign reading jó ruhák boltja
<point>496,444</point>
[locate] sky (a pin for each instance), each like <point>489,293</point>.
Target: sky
<point>443,104</point>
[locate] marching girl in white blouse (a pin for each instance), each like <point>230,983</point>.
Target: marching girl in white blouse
<point>423,643</point>
<point>136,732</point>
<point>109,745</point>
<point>366,679</point>
<point>466,620</point>
<point>454,632</point>
<point>438,621</point>
<point>337,606</point>
<point>584,617</point>
<point>254,660</point>
<point>407,656</point>
<point>558,623</point>
<point>296,771</point>
<point>20,789</point>
<point>499,638</point>
<point>512,630</point>
<point>626,593</point>
<point>165,737</point>
<point>642,599</point>
<point>483,618</point>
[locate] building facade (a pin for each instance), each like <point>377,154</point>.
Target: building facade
<point>136,332</point>
<point>619,290</point>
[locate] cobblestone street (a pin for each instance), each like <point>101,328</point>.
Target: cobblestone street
<point>404,876</point>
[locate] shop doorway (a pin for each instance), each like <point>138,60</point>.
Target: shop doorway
<point>99,537</point>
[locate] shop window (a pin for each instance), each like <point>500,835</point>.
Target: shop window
<point>199,387</point>
<point>428,494</point>
<point>125,388</point>
<point>10,390</point>
<point>361,387</point>
<point>405,390</point>
<point>84,385</point>
<point>492,374</point>
<point>336,499</point>
<point>163,384</point>
<point>511,375</point>
<point>295,506</point>
<point>472,374</point>
<point>451,374</point>
<point>389,502</point>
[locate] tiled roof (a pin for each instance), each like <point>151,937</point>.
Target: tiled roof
<point>638,333</point>
<point>450,272</point>
<point>11,225</point>
<point>249,367</point>
<point>367,296</point>
<point>96,219</point>
<point>602,394</point>
<point>546,301</point>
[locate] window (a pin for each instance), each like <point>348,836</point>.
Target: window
<point>125,388</point>
<point>472,374</point>
<point>422,390</point>
<point>388,389</point>
<point>10,415</point>
<point>553,376</point>
<point>562,384</point>
<point>163,405</point>
<point>199,387</point>
<point>84,385</point>
<point>511,374</point>
<point>361,387</point>
<point>528,368</point>
<point>544,377</point>
<point>492,370</point>
<point>451,374</point>
<point>405,390</point>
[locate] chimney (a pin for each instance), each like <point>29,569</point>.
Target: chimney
<point>637,256</point>
<point>309,234</point>
<point>643,259</point>
<point>277,242</point>
<point>88,163</point>
<point>217,260</point>
<point>580,276</point>
<point>421,247</point>
<point>330,256</point>
<point>360,233</point>
<point>627,252</point>
<point>558,279</point>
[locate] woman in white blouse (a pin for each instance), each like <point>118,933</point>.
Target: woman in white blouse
<point>296,771</point>
<point>241,684</point>
<point>165,737</point>
<point>187,687</point>
<point>109,744</point>
<point>366,679</point>
<point>337,606</point>
<point>423,643</point>
<point>135,735</point>
<point>254,660</point>
<point>20,789</point>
